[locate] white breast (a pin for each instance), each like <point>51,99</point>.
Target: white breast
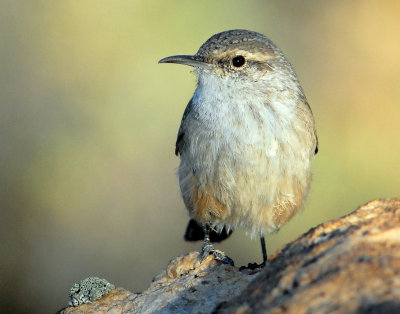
<point>242,141</point>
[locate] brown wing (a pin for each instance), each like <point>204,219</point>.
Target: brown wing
<point>180,141</point>
<point>304,101</point>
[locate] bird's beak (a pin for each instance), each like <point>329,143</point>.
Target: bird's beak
<point>193,61</point>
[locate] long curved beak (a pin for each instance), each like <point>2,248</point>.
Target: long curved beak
<point>193,61</point>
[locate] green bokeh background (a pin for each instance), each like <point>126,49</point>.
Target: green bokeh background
<point>88,123</point>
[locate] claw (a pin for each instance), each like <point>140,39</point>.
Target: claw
<point>218,255</point>
<point>221,256</point>
<point>208,249</point>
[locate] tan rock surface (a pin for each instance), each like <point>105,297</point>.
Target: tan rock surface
<point>350,265</point>
<point>185,286</point>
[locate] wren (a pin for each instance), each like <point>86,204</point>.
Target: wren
<point>246,140</point>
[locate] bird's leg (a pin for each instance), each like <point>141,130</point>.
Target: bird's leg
<point>208,248</point>
<point>264,254</point>
<point>264,251</point>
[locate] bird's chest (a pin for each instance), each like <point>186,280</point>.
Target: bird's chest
<point>239,128</point>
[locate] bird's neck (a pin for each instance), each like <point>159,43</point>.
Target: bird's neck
<point>223,100</point>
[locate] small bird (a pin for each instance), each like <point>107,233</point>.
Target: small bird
<point>246,140</point>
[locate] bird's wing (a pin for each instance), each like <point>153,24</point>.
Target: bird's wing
<point>305,102</point>
<point>181,134</point>
<point>315,131</point>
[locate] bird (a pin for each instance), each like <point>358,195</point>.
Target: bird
<point>246,140</point>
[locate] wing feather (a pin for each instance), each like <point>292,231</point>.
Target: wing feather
<point>180,141</point>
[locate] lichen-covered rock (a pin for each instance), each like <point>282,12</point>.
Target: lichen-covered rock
<point>113,302</point>
<point>350,265</point>
<point>185,286</point>
<point>88,290</point>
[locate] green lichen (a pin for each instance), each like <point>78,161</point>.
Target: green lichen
<point>89,290</point>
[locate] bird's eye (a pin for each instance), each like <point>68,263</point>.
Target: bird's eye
<point>238,61</point>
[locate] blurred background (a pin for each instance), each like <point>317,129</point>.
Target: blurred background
<point>88,124</point>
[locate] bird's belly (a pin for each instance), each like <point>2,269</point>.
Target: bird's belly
<point>244,180</point>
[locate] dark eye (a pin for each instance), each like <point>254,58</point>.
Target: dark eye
<point>238,61</point>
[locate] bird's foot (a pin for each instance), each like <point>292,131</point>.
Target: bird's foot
<point>208,249</point>
<point>253,266</point>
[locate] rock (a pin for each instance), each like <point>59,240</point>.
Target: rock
<point>349,265</point>
<point>112,302</point>
<point>184,286</point>
<point>89,290</point>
